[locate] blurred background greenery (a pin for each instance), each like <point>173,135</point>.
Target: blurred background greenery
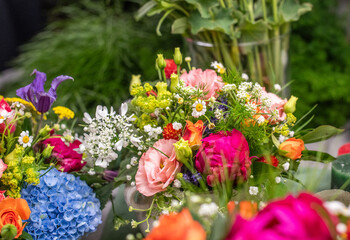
<point>100,44</point>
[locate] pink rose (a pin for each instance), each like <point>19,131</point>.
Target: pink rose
<point>156,171</point>
<point>68,159</point>
<point>208,81</point>
<point>224,150</point>
<point>302,217</point>
<point>3,167</point>
<point>6,116</point>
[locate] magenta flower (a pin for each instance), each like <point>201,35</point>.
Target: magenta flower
<point>36,94</point>
<point>67,158</point>
<point>302,217</point>
<point>224,150</point>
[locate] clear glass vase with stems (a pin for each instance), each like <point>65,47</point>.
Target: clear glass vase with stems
<point>265,61</point>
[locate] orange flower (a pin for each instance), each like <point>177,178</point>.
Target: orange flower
<point>177,226</point>
<point>292,148</point>
<point>193,133</point>
<point>13,211</point>
<point>247,209</point>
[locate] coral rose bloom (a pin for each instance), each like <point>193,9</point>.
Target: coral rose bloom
<point>177,226</point>
<point>302,217</point>
<point>193,133</point>
<point>207,80</point>
<point>156,171</point>
<point>224,151</point>
<point>14,211</point>
<point>293,148</point>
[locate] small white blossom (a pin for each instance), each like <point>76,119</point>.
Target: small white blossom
<point>285,166</point>
<point>253,190</point>
<point>132,184</point>
<point>177,126</point>
<point>282,138</point>
<point>277,87</point>
<point>128,177</point>
<point>208,209</point>
<point>24,139</point>
<point>337,208</point>
<point>134,161</point>
<point>229,87</point>
<point>177,183</point>
<point>195,199</point>
<point>155,223</point>
<point>245,76</point>
<point>91,171</point>
<point>291,133</point>
<point>260,120</point>
<point>341,228</point>
<point>128,166</point>
<point>218,114</point>
<point>218,67</point>
<point>165,212</point>
<point>278,179</point>
<point>175,203</point>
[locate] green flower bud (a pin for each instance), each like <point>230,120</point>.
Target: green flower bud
<point>44,131</point>
<point>161,64</point>
<point>47,151</point>
<point>161,87</point>
<point>174,82</point>
<point>8,232</point>
<point>289,107</point>
<point>177,56</point>
<point>183,151</point>
<point>135,80</point>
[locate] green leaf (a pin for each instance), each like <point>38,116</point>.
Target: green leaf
<point>263,171</point>
<point>103,194</point>
<point>317,156</point>
<point>321,133</point>
<point>291,10</point>
<point>145,9</point>
<point>219,227</point>
<point>90,179</point>
<point>179,26</point>
<point>204,6</point>
<point>26,236</point>
<point>222,22</point>
<point>254,32</point>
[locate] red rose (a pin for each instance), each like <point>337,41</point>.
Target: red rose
<point>170,68</point>
<point>272,160</point>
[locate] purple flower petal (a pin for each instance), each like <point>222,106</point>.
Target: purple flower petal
<point>56,82</point>
<point>39,81</point>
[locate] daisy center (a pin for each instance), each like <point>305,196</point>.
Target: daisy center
<point>25,139</point>
<point>199,107</point>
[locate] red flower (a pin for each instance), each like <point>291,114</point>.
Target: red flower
<point>170,133</point>
<point>345,149</point>
<point>272,160</point>
<point>170,68</point>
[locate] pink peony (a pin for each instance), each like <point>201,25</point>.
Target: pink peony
<point>208,81</point>
<point>156,171</point>
<point>68,159</point>
<point>3,167</point>
<point>224,150</point>
<point>6,116</point>
<point>302,217</point>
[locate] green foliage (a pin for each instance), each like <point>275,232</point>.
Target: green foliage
<point>100,46</point>
<point>321,64</point>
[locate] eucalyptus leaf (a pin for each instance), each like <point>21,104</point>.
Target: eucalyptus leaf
<point>179,26</point>
<point>317,156</point>
<point>204,6</point>
<point>291,10</point>
<point>321,133</point>
<point>254,31</point>
<point>222,22</point>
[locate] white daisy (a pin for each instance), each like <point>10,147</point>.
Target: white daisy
<point>198,108</point>
<point>24,139</point>
<point>218,67</point>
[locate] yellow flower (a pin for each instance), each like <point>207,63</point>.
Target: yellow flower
<point>63,112</point>
<point>28,105</point>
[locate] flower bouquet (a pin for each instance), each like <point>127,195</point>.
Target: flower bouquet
<point>35,161</point>
<point>211,133</point>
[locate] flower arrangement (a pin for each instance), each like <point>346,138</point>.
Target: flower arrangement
<point>250,36</point>
<point>210,132</point>
<point>55,204</point>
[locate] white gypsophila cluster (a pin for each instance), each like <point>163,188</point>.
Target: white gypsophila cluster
<point>107,133</point>
<point>208,209</point>
<point>251,107</point>
<point>177,126</point>
<point>257,90</point>
<point>245,76</point>
<point>253,190</point>
<point>286,166</point>
<point>229,87</point>
<point>152,132</point>
<point>337,208</point>
<point>19,107</point>
<point>188,91</point>
<point>218,114</point>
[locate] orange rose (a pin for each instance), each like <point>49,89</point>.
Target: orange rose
<point>193,133</point>
<point>13,211</point>
<point>177,226</point>
<point>247,209</point>
<point>292,148</point>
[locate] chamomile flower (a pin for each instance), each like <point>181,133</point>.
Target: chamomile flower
<point>24,139</point>
<point>198,108</point>
<point>218,67</point>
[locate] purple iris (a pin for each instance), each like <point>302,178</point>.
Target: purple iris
<point>36,94</point>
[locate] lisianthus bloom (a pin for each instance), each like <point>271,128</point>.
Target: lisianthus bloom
<point>170,68</point>
<point>301,217</point>
<point>207,80</point>
<point>36,94</point>
<point>272,160</point>
<point>6,116</point>
<point>3,167</point>
<point>156,171</point>
<point>177,226</point>
<point>67,158</point>
<point>193,133</point>
<point>224,156</point>
<point>14,211</point>
<point>292,148</point>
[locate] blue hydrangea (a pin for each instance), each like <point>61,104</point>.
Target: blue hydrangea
<point>63,207</point>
